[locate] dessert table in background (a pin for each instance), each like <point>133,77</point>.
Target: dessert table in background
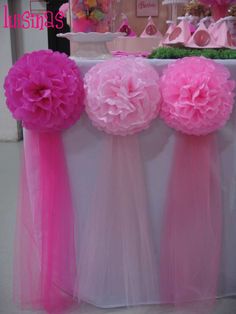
<point>84,146</point>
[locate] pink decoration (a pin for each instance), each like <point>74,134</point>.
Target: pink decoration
<point>125,28</point>
<point>125,102</point>
<point>202,38</point>
<point>83,25</point>
<point>218,2</point>
<point>197,100</point>
<point>191,235</point>
<point>44,90</point>
<point>151,30</point>
<point>90,15</point>
<point>165,39</point>
<point>180,34</point>
<point>223,33</point>
<point>45,264</point>
<point>197,95</point>
<point>127,95</point>
<point>219,7</point>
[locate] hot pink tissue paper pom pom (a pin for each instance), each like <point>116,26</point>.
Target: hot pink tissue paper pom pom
<point>123,95</point>
<point>197,95</point>
<point>45,91</point>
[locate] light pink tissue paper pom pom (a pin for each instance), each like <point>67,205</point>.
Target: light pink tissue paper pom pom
<point>44,90</point>
<point>123,95</point>
<point>197,95</point>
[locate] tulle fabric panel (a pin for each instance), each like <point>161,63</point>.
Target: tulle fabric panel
<point>117,261</point>
<point>191,237</point>
<point>45,266</point>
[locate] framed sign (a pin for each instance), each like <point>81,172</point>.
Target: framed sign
<point>147,7</point>
<point>37,6</point>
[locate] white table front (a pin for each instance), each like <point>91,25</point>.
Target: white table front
<point>84,145</point>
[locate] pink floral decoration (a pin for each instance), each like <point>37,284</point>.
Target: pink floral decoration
<point>219,8</point>
<point>123,95</point>
<point>218,2</point>
<point>45,91</point>
<point>197,95</point>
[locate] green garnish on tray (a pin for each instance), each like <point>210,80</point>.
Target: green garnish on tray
<point>176,53</point>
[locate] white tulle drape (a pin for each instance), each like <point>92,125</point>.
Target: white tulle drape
<point>117,262</point>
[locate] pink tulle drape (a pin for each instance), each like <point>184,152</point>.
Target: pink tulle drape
<point>117,261</point>
<point>191,237</point>
<point>45,267</point>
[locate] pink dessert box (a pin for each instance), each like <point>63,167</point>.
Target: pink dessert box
<point>202,38</point>
<point>180,35</point>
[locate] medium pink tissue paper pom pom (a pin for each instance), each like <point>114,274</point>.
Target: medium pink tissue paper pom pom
<point>197,95</point>
<point>45,91</point>
<point>123,95</point>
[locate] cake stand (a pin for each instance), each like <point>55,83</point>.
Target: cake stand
<point>91,45</point>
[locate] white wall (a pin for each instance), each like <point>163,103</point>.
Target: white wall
<point>8,126</point>
<point>14,45</point>
<point>29,39</point>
